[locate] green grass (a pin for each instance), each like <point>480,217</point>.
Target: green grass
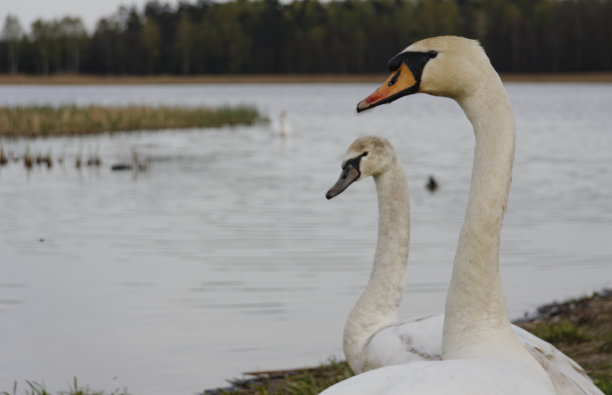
<point>35,388</point>
<point>46,121</point>
<point>309,381</point>
<point>601,373</point>
<point>563,332</point>
<point>604,384</point>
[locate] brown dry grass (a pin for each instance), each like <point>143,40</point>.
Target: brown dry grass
<point>46,121</point>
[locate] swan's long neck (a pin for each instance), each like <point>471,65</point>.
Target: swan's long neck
<point>476,321</point>
<point>377,306</point>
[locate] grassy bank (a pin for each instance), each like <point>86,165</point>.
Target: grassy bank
<point>580,328</point>
<point>47,121</point>
<point>78,79</point>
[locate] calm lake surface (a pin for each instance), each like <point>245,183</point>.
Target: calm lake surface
<point>224,255</point>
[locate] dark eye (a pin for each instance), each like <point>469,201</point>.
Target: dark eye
<point>432,54</point>
<point>394,79</point>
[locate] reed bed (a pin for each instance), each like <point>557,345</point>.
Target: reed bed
<point>48,121</point>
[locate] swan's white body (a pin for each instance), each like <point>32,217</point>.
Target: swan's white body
<point>482,354</point>
<point>482,376</point>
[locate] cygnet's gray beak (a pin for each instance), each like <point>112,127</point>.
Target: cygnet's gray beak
<point>348,176</point>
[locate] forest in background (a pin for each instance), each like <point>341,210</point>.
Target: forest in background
<point>309,36</point>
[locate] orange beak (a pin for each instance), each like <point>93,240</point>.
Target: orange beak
<point>400,83</point>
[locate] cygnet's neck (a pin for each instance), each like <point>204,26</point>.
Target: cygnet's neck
<point>476,321</point>
<point>377,306</point>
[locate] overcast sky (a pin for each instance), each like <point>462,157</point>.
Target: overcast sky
<point>90,11</point>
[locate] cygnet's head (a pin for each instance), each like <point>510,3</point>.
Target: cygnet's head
<point>367,156</point>
<point>447,66</point>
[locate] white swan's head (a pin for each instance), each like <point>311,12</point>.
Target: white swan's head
<point>443,66</point>
<point>367,156</point>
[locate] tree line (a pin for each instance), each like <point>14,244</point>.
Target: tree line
<point>309,36</point>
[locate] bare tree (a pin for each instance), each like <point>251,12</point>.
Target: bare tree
<point>72,33</point>
<point>12,34</point>
<point>185,37</point>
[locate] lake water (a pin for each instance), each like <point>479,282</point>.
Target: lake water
<point>224,255</point>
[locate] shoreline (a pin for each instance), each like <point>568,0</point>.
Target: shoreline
<point>82,79</point>
<point>581,328</point>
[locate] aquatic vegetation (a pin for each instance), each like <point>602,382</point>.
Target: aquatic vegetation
<point>48,121</point>
<point>3,158</point>
<point>27,159</point>
<point>94,161</point>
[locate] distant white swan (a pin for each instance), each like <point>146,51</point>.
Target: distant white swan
<point>283,127</point>
<point>481,353</point>
<point>373,336</point>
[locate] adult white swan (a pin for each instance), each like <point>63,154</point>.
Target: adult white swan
<point>480,351</point>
